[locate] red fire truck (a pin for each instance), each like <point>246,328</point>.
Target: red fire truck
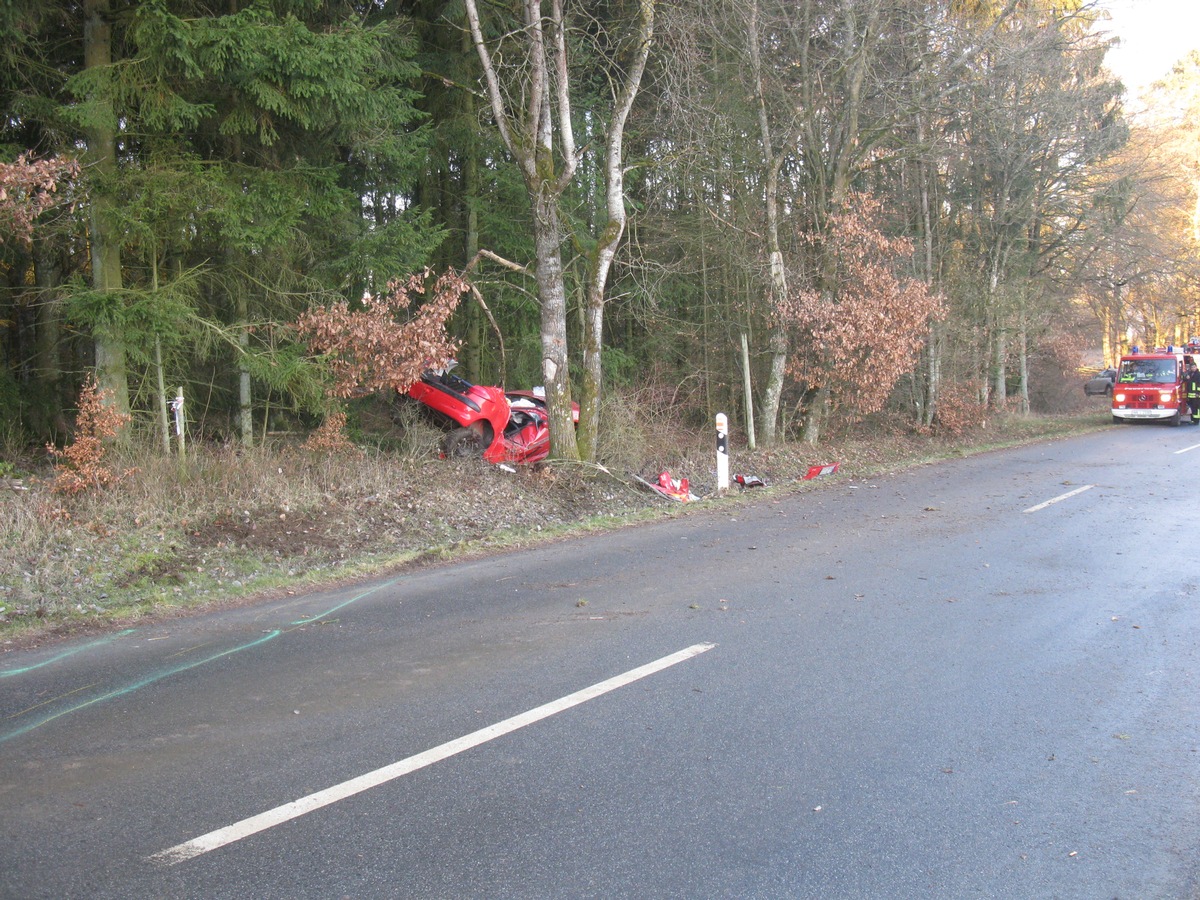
<point>1149,386</point>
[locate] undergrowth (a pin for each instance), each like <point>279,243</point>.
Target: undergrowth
<point>229,524</point>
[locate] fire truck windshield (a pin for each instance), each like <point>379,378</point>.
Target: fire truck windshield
<point>1147,371</point>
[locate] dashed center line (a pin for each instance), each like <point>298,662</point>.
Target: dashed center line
<point>293,810</point>
<point>1060,498</point>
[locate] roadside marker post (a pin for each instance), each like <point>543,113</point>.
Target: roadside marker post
<point>722,453</point>
<point>180,423</point>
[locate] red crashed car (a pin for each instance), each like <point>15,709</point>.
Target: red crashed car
<point>501,426</point>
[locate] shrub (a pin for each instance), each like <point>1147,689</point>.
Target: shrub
<point>331,437</point>
<point>958,410</point>
<point>81,465</point>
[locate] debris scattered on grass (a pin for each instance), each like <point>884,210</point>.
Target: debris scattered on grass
<point>818,470</point>
<point>671,488</point>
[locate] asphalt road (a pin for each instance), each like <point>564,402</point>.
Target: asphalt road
<point>920,685</point>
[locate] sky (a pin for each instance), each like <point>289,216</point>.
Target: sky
<point>1155,34</point>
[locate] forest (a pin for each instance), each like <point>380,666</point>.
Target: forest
<point>802,213</point>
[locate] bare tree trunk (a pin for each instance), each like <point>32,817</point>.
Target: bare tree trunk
<point>751,440</point>
<point>934,345</point>
<point>473,355</point>
<point>1112,344</point>
<point>164,420</point>
<point>530,139</point>
<point>540,137</point>
<point>997,359</point>
<point>473,347</point>
<point>1023,353</point>
<point>610,237</point>
<point>552,294</point>
<point>933,373</point>
<point>101,140</point>
<point>706,324</point>
<point>48,365</point>
<point>818,411</point>
<point>998,393</point>
<point>245,397</point>
<point>777,341</point>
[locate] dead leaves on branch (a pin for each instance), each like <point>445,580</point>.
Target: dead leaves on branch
<point>385,342</point>
<point>859,328</point>
<point>331,438</point>
<point>27,189</point>
<point>82,465</point>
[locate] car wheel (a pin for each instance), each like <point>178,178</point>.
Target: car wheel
<point>463,443</point>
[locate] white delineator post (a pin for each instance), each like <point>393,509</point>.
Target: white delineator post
<point>180,423</point>
<point>722,453</point>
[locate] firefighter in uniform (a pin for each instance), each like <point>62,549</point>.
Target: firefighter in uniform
<point>1191,383</point>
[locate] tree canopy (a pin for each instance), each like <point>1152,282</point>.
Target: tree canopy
<point>637,190</point>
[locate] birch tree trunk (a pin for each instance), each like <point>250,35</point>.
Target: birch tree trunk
<point>552,295</point>
<point>1023,353</point>
<point>935,345</point>
<point>610,236</point>
<point>777,339</point>
<point>529,133</point>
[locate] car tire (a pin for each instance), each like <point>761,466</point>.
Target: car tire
<point>463,443</point>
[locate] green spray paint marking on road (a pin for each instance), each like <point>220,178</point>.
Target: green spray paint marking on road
<point>66,653</point>
<point>129,689</point>
<point>345,603</point>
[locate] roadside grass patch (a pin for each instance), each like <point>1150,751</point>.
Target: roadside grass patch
<point>231,524</point>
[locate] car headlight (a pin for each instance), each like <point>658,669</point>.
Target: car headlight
<point>1167,397</point>
<point>1120,398</point>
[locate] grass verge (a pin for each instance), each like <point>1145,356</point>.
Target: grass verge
<point>232,526</point>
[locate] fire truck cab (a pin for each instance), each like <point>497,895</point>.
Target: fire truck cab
<point>1149,386</point>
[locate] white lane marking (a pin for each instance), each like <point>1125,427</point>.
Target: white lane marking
<point>1186,449</point>
<point>1086,487</point>
<point>280,814</point>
